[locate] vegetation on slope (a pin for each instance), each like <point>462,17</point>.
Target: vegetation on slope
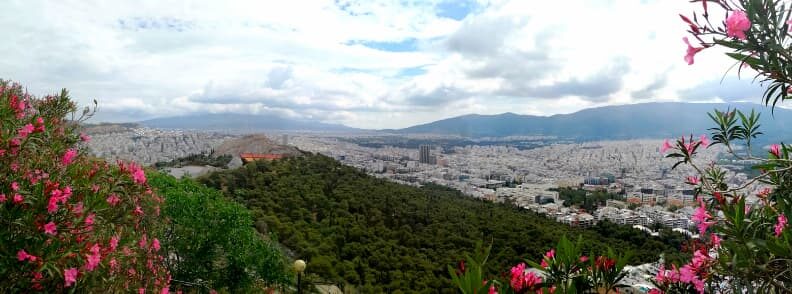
<point>212,241</point>
<point>378,236</point>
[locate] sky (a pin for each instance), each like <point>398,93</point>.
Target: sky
<point>363,63</point>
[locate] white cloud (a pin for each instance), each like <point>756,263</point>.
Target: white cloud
<point>371,64</point>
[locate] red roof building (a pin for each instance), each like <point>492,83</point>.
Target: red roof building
<point>250,157</point>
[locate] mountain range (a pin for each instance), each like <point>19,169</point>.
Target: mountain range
<point>647,120</point>
<point>633,121</point>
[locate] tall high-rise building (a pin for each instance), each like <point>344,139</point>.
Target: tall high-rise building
<point>423,154</point>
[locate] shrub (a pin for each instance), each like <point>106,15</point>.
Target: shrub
<point>70,222</point>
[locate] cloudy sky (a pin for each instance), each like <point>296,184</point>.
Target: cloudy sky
<point>363,63</point>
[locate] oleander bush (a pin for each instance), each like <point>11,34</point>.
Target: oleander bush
<point>69,222</point>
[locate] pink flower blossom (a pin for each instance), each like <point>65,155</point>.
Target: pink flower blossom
<point>52,205</point>
<point>93,258</point>
<point>14,186</point>
<point>775,149</point>
<point>583,259</point>
<point>693,180</point>
<point>141,290</point>
<point>143,241</point>
<point>114,242</point>
<point>24,131</point>
<point>70,277</point>
<point>69,156</point>
<point>22,255</point>
<point>90,219</point>
<point>666,146</point>
<point>39,125</point>
<point>139,176</point>
<point>138,210</point>
<point>544,264</point>
<point>3,198</point>
<point>50,229</point>
<point>704,141</point>
<point>155,244</point>
<point>691,51</point>
<point>737,24</point>
<point>716,241</point>
<point>85,138</point>
<point>113,199</point>
<point>491,290</point>
<point>517,273</point>
<point>113,264</point>
<point>779,226</point>
<point>18,198</point>
<point>550,254</point>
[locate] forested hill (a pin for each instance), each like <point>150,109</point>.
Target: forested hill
<point>377,236</point>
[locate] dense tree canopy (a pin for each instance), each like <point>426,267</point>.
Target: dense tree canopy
<point>377,236</point>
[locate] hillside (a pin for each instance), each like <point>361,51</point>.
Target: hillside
<point>647,120</point>
<point>378,236</point>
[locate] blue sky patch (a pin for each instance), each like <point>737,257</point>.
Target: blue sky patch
<point>457,10</point>
<point>407,45</point>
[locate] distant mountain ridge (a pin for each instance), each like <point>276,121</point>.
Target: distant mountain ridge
<point>633,121</point>
<point>243,123</point>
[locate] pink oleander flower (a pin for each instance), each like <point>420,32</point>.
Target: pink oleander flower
<point>550,254</point>
<point>70,277</point>
<point>113,199</point>
<point>716,241</point>
<point>139,176</point>
<point>22,255</point>
<point>39,125</point>
<point>693,180</point>
<point>666,146</point>
<point>18,199</point>
<point>14,186</point>
<point>583,259</point>
<point>143,241</point>
<point>114,242</point>
<point>94,258</point>
<point>52,205</point>
<point>69,156</point>
<point>155,244</point>
<point>531,279</point>
<point>764,193</point>
<point>3,198</point>
<point>78,208</point>
<point>85,138</point>
<point>491,290</point>
<point>138,210</point>
<point>141,290</point>
<point>737,24</point>
<point>113,264</point>
<point>704,141</point>
<point>24,131</point>
<point>775,149</point>
<point>780,225</point>
<point>90,219</point>
<point>165,290</point>
<point>691,51</point>
<point>517,273</point>
<point>50,229</point>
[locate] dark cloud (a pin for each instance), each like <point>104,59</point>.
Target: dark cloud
<point>595,88</point>
<point>648,92</point>
<point>439,96</point>
<point>730,90</point>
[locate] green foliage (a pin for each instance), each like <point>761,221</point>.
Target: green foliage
<point>586,200</point>
<point>212,240</point>
<point>356,230</point>
<point>201,159</point>
<point>470,277</point>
